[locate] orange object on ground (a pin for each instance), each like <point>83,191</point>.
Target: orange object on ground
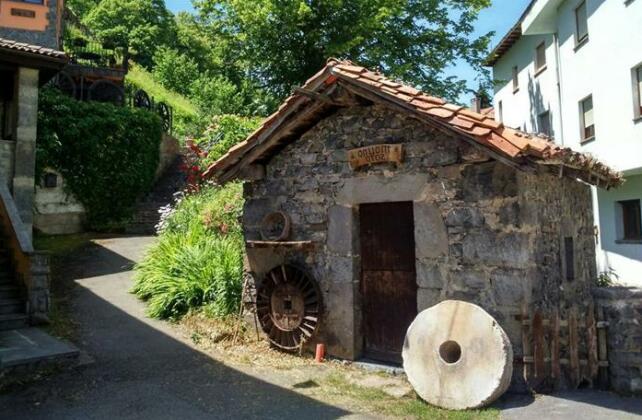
<point>320,355</point>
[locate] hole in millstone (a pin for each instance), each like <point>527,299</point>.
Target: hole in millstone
<point>450,352</point>
<point>287,304</point>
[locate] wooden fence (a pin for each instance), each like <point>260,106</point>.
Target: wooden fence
<point>567,352</point>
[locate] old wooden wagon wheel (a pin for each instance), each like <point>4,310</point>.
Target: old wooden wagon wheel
<point>289,306</point>
<point>142,100</point>
<point>106,91</point>
<point>66,84</point>
<point>166,116</point>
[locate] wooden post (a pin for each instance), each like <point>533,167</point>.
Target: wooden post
<point>538,344</point>
<point>573,347</point>
<point>591,344</point>
<point>526,344</point>
<point>603,378</point>
<point>555,347</point>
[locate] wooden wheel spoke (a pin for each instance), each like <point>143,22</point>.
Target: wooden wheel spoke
<point>289,306</point>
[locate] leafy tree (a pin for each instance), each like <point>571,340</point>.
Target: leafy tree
<point>81,7</point>
<point>283,42</point>
<point>139,26</point>
<point>174,70</point>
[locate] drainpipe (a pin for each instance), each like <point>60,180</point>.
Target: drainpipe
<point>558,76</point>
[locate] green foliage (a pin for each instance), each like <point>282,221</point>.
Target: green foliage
<point>139,26</point>
<point>188,119</point>
<point>81,7</point>
<point>224,132</point>
<point>284,42</point>
<point>107,154</point>
<point>174,70</point>
<point>198,260</point>
<point>607,278</point>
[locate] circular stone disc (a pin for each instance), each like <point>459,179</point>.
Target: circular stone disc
<point>456,356</point>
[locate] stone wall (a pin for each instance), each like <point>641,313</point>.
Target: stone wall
<point>484,232</point>
<point>623,311</point>
<point>47,38</point>
<point>56,211</point>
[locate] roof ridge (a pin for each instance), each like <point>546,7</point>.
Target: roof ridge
<point>504,143</point>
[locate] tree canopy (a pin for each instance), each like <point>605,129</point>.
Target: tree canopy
<point>140,26</point>
<point>283,42</point>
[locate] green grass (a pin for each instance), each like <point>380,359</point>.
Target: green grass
<point>377,401</point>
<point>60,245</point>
<point>198,259</point>
<point>143,79</point>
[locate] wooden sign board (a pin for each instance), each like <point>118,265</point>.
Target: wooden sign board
<point>379,153</point>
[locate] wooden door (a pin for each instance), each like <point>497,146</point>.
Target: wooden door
<point>388,279</point>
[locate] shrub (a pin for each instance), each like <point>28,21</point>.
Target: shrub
<point>107,154</point>
<point>198,259</point>
<point>224,132</point>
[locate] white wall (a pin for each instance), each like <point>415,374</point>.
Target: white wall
<point>624,258</point>
<point>537,93</point>
<point>602,68</point>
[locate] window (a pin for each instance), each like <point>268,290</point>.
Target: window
<point>581,24</point>
<point>50,180</point>
<point>6,107</point>
<point>501,111</point>
<point>637,91</point>
<point>515,79</point>
<point>631,220</point>
<point>544,123</point>
<point>569,258</point>
<point>540,58</point>
<point>586,119</point>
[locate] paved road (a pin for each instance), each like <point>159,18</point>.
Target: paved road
<point>142,369</point>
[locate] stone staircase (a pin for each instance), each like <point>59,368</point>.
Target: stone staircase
<point>12,302</point>
<point>146,216</point>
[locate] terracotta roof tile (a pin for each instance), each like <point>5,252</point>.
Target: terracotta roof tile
<point>480,127</point>
<point>32,49</point>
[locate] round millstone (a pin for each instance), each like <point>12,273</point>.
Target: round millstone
<point>456,356</point>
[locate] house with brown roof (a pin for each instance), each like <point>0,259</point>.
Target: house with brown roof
<point>367,201</point>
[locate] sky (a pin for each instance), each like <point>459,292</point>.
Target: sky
<point>500,17</point>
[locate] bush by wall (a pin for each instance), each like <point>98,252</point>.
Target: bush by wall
<point>198,259</point>
<point>107,154</point>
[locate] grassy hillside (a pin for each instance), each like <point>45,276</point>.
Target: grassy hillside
<point>187,116</point>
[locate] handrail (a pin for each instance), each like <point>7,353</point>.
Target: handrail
<point>9,213</point>
<point>31,267</point>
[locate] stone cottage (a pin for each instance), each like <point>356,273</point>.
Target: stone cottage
<point>389,201</point>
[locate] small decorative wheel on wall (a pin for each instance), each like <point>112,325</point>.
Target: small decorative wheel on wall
<point>275,226</point>
<point>289,306</point>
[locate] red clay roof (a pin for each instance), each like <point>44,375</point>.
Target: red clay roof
<point>11,45</point>
<point>503,141</point>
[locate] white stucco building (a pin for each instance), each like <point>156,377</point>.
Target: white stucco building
<point>573,69</point>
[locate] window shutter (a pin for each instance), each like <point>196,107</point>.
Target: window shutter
<point>639,74</point>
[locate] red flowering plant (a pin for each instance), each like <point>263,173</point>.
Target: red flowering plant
<point>194,165</point>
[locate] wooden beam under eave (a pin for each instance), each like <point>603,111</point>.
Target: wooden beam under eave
<point>282,129</point>
<point>253,172</point>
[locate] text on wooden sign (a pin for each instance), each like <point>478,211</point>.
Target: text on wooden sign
<point>375,154</point>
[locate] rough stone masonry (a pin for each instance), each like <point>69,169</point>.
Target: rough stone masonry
<point>484,232</point>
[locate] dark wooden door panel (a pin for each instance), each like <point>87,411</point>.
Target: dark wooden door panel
<point>387,236</point>
<point>388,280</point>
<point>390,305</point>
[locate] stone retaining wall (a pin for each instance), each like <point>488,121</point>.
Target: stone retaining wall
<point>623,311</point>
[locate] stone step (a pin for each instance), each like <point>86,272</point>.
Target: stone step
<point>11,306</point>
<point>9,292</point>
<point>13,321</point>
<point>28,346</point>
